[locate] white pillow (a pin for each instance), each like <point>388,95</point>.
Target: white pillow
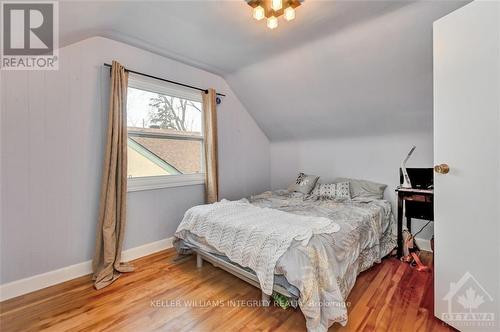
<point>364,188</point>
<point>304,183</point>
<point>332,190</point>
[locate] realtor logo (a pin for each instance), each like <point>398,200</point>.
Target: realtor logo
<point>468,302</point>
<point>29,35</point>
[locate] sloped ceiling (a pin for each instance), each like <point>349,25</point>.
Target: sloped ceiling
<point>371,78</point>
<point>341,68</point>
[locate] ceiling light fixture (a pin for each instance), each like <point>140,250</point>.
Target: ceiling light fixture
<point>272,22</point>
<point>273,9</point>
<point>259,13</point>
<point>289,13</point>
<point>276,5</point>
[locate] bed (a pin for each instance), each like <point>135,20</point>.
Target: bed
<point>321,271</point>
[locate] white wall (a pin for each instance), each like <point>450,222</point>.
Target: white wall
<point>52,138</point>
<point>375,158</point>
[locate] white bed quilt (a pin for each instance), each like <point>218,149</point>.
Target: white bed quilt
<point>252,236</point>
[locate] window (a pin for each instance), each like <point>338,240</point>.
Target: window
<point>165,139</point>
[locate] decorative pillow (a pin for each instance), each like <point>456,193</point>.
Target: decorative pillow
<point>343,190</point>
<point>364,188</point>
<point>326,190</point>
<point>304,183</point>
<point>332,190</point>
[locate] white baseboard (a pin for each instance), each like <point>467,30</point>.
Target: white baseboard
<point>423,244</point>
<point>31,284</point>
<point>147,249</point>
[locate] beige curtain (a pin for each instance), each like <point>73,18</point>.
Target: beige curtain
<point>210,131</point>
<point>112,211</point>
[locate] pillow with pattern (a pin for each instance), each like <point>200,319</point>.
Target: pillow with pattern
<point>332,190</point>
<point>304,183</point>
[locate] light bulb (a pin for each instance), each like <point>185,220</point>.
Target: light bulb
<point>272,22</point>
<point>276,4</point>
<point>289,13</point>
<point>258,13</point>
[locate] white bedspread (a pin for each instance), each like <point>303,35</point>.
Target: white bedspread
<point>252,236</point>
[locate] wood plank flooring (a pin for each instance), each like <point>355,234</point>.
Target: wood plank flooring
<point>390,296</point>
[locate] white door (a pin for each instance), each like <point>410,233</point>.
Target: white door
<point>466,137</point>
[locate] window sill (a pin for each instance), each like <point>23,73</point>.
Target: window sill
<point>167,181</point>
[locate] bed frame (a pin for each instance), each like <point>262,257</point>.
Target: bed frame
<point>238,272</point>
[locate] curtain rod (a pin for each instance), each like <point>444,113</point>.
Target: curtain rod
<point>165,80</point>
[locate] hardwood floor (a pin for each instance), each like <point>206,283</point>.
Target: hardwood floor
<point>391,296</point>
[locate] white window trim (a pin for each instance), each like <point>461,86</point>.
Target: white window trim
<point>155,86</point>
<point>164,181</point>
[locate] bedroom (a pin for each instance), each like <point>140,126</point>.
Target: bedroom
<point>218,104</point>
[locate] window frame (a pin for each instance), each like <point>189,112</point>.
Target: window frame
<point>167,181</point>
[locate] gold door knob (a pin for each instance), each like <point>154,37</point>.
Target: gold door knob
<point>442,169</point>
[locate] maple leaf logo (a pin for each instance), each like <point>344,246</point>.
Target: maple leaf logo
<point>470,300</point>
